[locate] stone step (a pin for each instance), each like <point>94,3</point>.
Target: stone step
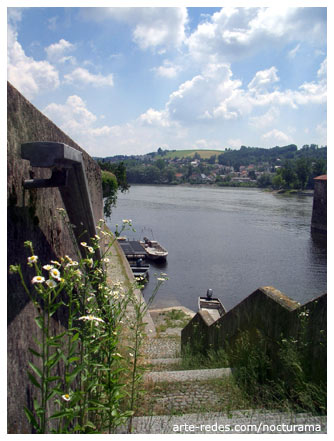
<point>164,361</point>
<point>168,347</point>
<point>254,421</point>
<point>189,375</point>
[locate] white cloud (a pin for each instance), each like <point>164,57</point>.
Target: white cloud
<point>211,95</point>
<point>266,119</point>
<point>56,52</point>
<point>83,76</point>
<point>154,118</point>
<point>29,76</point>
<point>292,54</point>
<point>215,96</point>
<point>276,135</point>
<point>167,70</point>
<point>235,143</point>
<point>322,72</point>
<point>263,79</point>
<point>76,120</point>
<point>235,33</point>
<point>71,115</point>
<point>152,27</point>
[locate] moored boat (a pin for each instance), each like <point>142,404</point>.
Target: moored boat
<point>154,250</point>
<point>212,305</point>
<point>140,270</point>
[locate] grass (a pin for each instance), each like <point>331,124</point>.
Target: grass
<point>204,154</point>
<point>174,318</point>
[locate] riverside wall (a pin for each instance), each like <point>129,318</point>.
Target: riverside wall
<point>319,211</point>
<point>32,215</point>
<point>265,314</point>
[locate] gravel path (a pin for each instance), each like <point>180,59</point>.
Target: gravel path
<point>236,422</point>
<point>190,375</point>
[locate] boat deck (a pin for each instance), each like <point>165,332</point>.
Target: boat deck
<point>133,249</point>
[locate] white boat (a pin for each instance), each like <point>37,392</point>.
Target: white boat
<point>212,305</point>
<point>154,250</point>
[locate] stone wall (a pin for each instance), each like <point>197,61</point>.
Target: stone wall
<point>319,212</point>
<point>267,313</point>
<point>32,215</point>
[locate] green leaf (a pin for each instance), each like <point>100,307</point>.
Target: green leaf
<point>35,352</point>
<point>52,394</point>
<point>33,380</point>
<point>61,414</point>
<point>75,337</point>
<point>57,377</point>
<point>70,360</point>
<point>35,369</point>
<point>53,360</point>
<point>31,418</point>
<point>70,377</point>
<point>39,322</point>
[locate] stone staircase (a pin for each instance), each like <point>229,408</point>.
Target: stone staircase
<point>202,401</point>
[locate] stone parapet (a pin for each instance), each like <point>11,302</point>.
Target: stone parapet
<point>266,313</point>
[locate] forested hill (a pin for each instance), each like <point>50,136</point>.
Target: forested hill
<point>277,167</point>
<point>243,156</point>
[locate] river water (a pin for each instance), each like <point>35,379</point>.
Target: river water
<point>232,240</point>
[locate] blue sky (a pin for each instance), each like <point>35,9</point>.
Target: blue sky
<point>131,80</point>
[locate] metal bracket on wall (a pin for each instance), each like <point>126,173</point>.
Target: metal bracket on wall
<point>58,179</point>
<point>68,173</point>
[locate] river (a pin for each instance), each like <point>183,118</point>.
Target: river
<point>232,240</point>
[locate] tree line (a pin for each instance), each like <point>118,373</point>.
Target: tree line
<point>279,168</point>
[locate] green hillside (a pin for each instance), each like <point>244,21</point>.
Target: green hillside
<point>204,154</point>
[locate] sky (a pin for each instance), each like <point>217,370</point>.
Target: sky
<point>130,80</point>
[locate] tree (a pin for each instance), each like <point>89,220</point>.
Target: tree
<point>319,168</point>
<point>288,173</point>
<point>264,180</point>
<point>109,191</point>
<point>278,182</point>
<point>212,159</point>
<point>160,163</point>
<point>252,175</point>
<point>303,171</point>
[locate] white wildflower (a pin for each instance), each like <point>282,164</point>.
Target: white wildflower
<point>38,279</point>
<point>51,283</point>
<point>48,267</point>
<point>91,318</point>
<point>55,273</point>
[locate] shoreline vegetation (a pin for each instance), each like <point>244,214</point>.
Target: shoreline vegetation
<point>283,170</point>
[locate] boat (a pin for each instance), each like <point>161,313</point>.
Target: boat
<point>140,270</point>
<point>154,250</point>
<point>212,305</point>
<point>132,249</point>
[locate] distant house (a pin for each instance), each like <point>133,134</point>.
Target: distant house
<point>240,179</point>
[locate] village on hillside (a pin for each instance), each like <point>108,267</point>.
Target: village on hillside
<point>279,167</point>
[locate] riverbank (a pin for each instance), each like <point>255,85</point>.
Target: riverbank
<point>294,192</point>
